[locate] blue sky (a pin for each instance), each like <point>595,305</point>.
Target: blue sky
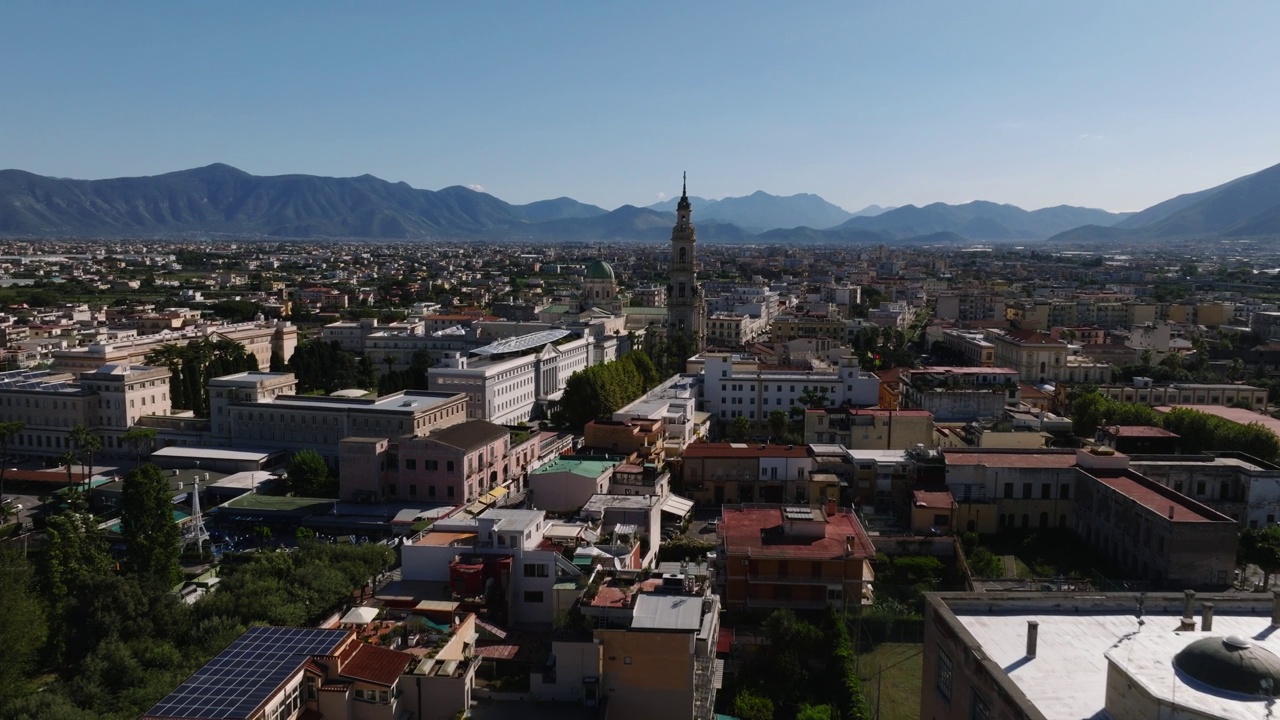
<point>1107,104</point>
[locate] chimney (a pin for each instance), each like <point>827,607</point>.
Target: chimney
<point>1170,512</point>
<point>1033,632</point>
<point>1206,619</point>
<point>1188,608</point>
<point>1275,607</point>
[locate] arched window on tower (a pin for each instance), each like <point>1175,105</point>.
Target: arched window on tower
<point>684,256</point>
<point>681,289</point>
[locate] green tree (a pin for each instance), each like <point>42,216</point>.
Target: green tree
<point>152,539</point>
<point>22,624</point>
<point>778,422</point>
<point>277,362</point>
<point>8,432</point>
<point>814,712</point>
<point>740,429</point>
<point>309,475</point>
<point>1261,547</point>
<point>141,439</point>
<point>749,706</point>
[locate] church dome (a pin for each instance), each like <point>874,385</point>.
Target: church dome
<point>599,270</point>
<point>1232,664</point>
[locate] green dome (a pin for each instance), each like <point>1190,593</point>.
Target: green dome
<point>599,270</point>
<point>1231,664</point>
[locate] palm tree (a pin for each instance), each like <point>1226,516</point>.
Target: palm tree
<point>139,438</point>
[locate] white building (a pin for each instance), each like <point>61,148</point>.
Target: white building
<point>498,554</point>
<point>738,386</point>
<point>513,380</point>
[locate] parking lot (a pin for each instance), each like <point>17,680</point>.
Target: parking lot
<point>27,497</point>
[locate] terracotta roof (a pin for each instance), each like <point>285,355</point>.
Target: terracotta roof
<point>932,499</point>
<point>1015,459</point>
<point>1133,431</point>
<point>757,530</point>
<point>1154,500</point>
<point>377,665</point>
<point>744,450</point>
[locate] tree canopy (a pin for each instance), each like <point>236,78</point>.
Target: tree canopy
<point>326,367</point>
<point>151,536</point>
<point>309,475</point>
<point>594,393</point>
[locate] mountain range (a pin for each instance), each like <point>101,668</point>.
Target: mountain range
<point>220,199</point>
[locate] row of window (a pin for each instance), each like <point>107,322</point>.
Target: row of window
<point>1046,491</point>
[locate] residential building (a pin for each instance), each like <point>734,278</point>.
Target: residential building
<point>455,464</point>
<point>717,473</point>
<point>652,652</point>
<point>566,484</point>
<point>500,559</point>
<point>870,428</point>
<point>794,325</point>
<point>275,673</point>
<point>674,402</point>
<point>439,681</point>
<point>1241,487</point>
<point>797,557</point>
<point>972,346</point>
<point>958,394</point>
<point>1065,656</point>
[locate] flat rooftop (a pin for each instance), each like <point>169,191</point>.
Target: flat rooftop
<point>1016,459</point>
<point>1067,679</point>
<point>407,402</point>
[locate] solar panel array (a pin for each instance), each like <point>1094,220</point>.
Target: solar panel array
<point>236,682</point>
<point>793,512</point>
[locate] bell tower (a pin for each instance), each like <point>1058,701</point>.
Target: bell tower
<point>686,307</point>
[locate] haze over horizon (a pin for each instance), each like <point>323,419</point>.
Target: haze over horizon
<point>1092,104</point>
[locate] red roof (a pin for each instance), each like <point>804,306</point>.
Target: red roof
<point>1156,501</point>
<point>1133,431</point>
<point>375,664</point>
<point>758,530</point>
<point>1031,337</point>
<point>1014,459</point>
<point>941,500</point>
<point>742,450</point>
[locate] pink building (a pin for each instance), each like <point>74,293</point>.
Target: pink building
<point>456,464</point>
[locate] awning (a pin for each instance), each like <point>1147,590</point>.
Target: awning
<point>677,505</point>
<point>359,616</point>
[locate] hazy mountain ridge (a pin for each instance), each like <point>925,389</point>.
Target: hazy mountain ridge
<point>1248,206</point>
<point>220,199</point>
<point>760,211</point>
<point>981,220</point>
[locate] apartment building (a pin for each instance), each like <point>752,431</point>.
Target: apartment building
<point>870,428</point>
<point>717,473</point>
<point>106,401</point>
<point>733,330</point>
<point>970,306</point>
<point>1063,656</point>
<point>516,379</point>
<point>652,652</point>
<point>958,394</point>
<point>497,559</point>
<point>456,464</point>
<point>790,326</point>
<point>1241,487</point>
<point>260,338</point>
<point>739,386</point>
<point>797,557</point>
<point>674,402</point>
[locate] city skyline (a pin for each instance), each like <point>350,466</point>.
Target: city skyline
<point>1092,105</point>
